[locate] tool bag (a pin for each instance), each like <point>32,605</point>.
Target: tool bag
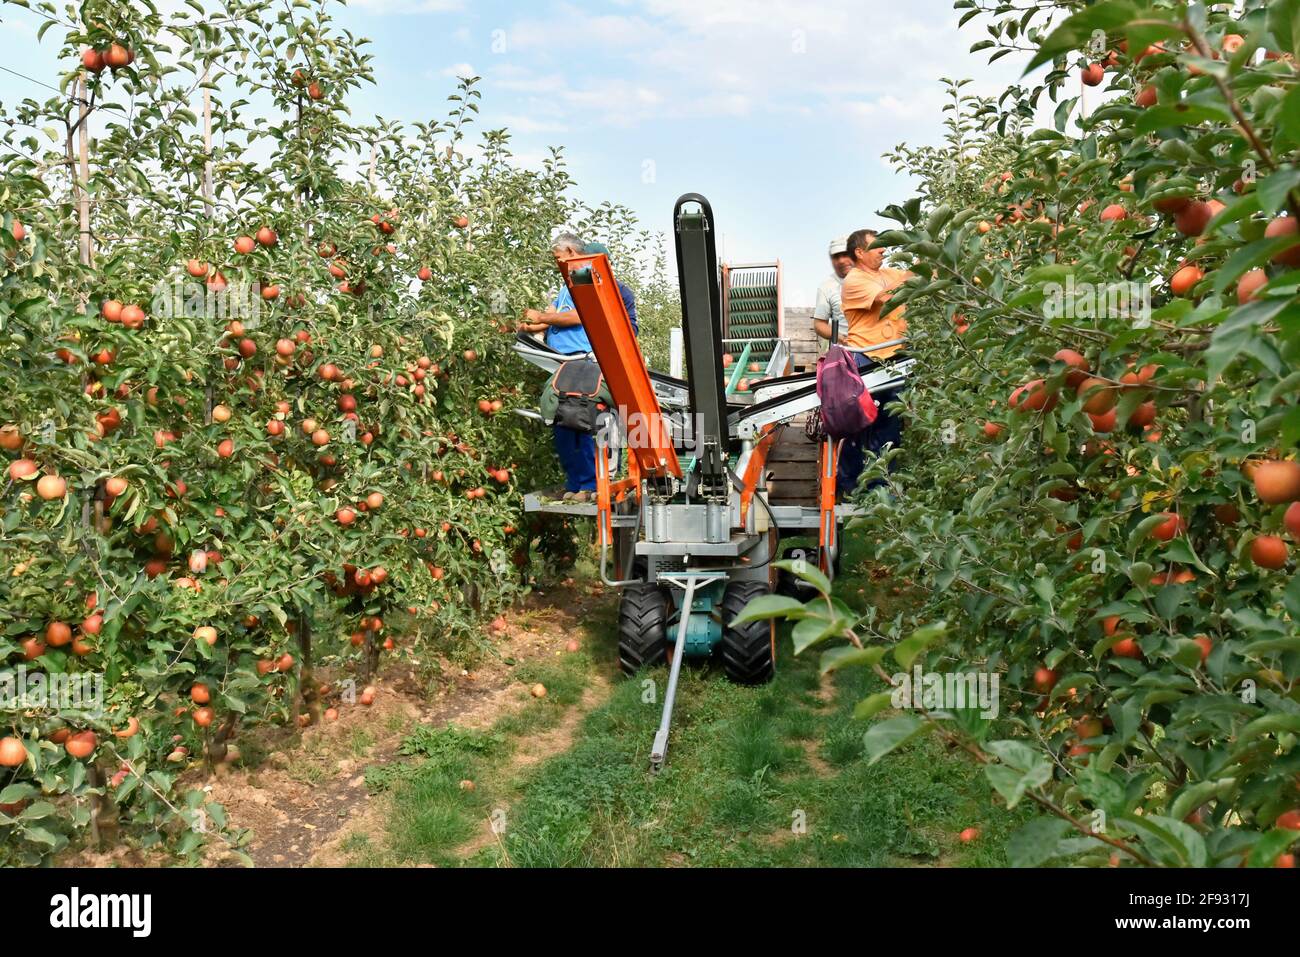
<point>847,407</point>
<point>575,396</point>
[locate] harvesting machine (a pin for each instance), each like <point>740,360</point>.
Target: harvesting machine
<point>716,478</point>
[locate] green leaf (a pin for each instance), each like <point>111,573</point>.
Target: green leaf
<point>1243,259</point>
<point>1101,789</point>
<point>1192,796</point>
<point>873,704</point>
<point>1186,652</point>
<point>848,655</point>
<point>1044,589</point>
<point>40,835</point>
<point>1035,843</point>
<point>938,219</point>
<point>770,606</point>
<point>1165,834</point>
<point>1288,115</point>
<point>1021,768</point>
<point>1270,846</point>
<point>1074,33</point>
<point>813,629</point>
<point>1076,680</point>
<point>1273,189</point>
<point>806,571</point>
<point>1242,329</point>
<point>891,734</point>
<point>1284,23</point>
<point>1143,531</point>
<point>1291,643</point>
<point>19,791</point>
<point>1180,114</point>
<point>38,810</point>
<point>906,651</point>
<point>1268,724</point>
<point>1180,550</point>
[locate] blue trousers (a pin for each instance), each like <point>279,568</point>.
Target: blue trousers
<point>577,453</point>
<point>886,430</point>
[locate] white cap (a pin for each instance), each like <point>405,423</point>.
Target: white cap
<point>839,245</point>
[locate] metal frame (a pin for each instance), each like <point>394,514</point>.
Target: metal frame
<point>690,582</point>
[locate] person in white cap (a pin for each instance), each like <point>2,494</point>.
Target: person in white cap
<point>828,308</point>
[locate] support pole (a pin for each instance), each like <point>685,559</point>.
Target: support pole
<point>689,581</point>
<point>659,751</point>
<point>207,146</point>
<point>83,142</point>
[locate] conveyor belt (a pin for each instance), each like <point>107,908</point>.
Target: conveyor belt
<point>751,298</point>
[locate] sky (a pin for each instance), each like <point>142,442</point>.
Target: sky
<point>778,111</point>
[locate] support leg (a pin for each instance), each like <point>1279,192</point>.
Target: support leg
<point>659,751</point>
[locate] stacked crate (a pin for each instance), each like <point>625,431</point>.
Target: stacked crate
<point>805,346</point>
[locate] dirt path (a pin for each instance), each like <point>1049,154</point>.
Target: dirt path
<point>825,696</point>
<point>304,799</point>
<point>540,747</point>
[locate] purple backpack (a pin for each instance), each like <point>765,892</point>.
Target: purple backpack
<point>847,406</point>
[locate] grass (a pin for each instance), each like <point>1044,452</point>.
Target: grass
<point>756,777</point>
<point>454,780</point>
<point>306,769</point>
<point>359,742</point>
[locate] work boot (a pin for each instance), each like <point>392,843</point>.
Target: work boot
<point>582,497</point>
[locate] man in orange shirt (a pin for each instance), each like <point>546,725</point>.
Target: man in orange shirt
<point>864,298</point>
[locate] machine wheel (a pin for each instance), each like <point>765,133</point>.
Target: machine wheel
<point>749,652</point>
<point>642,632</point>
<point>787,583</point>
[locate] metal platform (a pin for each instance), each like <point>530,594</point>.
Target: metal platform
<point>739,544</point>
<point>549,501</point>
<point>788,517</point>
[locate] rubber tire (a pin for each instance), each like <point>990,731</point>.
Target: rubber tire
<point>787,583</point>
<point>748,653</point>
<point>642,627</point>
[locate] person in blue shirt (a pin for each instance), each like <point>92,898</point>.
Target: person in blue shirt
<point>563,332</point>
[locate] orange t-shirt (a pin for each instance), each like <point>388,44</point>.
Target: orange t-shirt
<point>863,296</point>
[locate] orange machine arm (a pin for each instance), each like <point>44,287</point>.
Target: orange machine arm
<point>604,317</point>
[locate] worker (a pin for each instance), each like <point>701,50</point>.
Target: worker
<point>563,332</point>
<point>864,297</point>
<point>828,309</point>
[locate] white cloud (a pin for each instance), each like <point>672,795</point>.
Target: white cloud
<point>388,7</point>
<point>526,124</point>
<point>522,80</point>
<point>678,59</point>
<point>459,70</point>
<point>19,27</point>
<point>566,24</point>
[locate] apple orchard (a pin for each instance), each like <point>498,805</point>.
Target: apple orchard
<point>256,411</point>
<point>1104,507</point>
<point>256,417</point>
